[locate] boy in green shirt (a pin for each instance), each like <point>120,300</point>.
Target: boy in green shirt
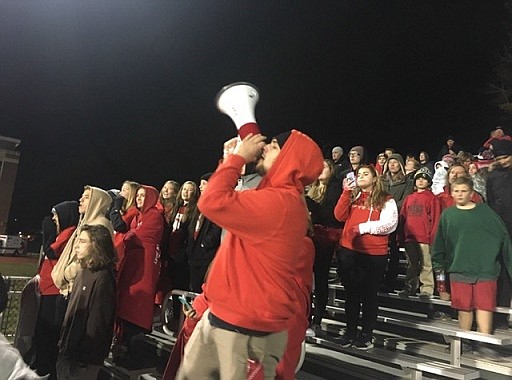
<point>469,240</point>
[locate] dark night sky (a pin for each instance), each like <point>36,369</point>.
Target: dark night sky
<point>102,91</point>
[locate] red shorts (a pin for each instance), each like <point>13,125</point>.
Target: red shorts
<point>478,296</point>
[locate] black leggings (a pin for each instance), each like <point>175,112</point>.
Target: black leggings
<point>361,278</point>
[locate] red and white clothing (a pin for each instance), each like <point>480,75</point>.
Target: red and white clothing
<point>374,225</point>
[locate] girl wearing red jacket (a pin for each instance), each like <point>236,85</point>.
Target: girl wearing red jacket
<point>370,215</point>
<point>56,233</point>
<point>137,281</point>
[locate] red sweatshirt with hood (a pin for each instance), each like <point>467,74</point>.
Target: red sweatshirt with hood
<point>373,225</point>
<point>139,274</point>
<point>253,281</point>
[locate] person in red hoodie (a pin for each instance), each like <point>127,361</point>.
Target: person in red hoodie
<point>253,282</point>
<point>56,233</point>
<point>370,215</point>
<point>137,281</point>
<point>419,217</point>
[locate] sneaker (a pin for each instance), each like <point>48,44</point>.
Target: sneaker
<point>404,293</point>
<point>345,340</point>
<point>310,333</point>
<point>441,316</point>
<point>363,342</point>
<point>424,296</point>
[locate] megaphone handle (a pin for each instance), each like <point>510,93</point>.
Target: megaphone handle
<point>248,128</point>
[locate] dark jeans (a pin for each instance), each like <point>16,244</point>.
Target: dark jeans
<point>326,241</point>
<point>47,333</point>
<point>360,272</point>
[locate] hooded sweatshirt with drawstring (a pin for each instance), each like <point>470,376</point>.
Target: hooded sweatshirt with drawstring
<point>254,278</point>
<point>66,269</point>
<point>373,225</point>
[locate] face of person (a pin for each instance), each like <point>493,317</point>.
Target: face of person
<point>140,197</point>
<point>381,160</point>
<point>394,166</point>
<point>84,201</point>
<point>504,161</point>
<point>365,179</point>
<point>421,183</point>
<point>326,173</point>
<point>168,191</point>
<point>354,157</point>
<point>83,246</point>
<point>187,192</point>
<point>125,191</point>
<point>269,156</point>
<point>450,143</point>
<point>388,152</point>
<point>55,219</point>
<point>202,185</point>
<point>461,194</point>
<point>472,169</point>
<point>422,157</point>
<point>336,155</point>
<point>456,172</point>
<point>409,166</point>
<point>498,133</point>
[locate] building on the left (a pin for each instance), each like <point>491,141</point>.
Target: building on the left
<point>9,160</point>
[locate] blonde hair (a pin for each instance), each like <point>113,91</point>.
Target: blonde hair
<point>317,190</point>
<point>130,201</point>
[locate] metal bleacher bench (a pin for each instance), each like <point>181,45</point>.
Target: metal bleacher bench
<point>412,366</point>
<point>449,330</point>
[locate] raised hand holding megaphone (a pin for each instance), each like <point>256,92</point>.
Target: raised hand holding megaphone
<point>238,101</point>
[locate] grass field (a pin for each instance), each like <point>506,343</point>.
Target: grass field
<point>18,266</point>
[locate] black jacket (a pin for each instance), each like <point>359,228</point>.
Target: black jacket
<point>499,194</point>
<point>323,213</point>
<point>201,250</point>
<point>88,325</point>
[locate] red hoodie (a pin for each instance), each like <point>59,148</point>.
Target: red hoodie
<point>374,225</point>
<point>253,279</point>
<point>419,217</point>
<point>46,285</point>
<point>139,274</point>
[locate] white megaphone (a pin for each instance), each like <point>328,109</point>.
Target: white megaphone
<point>238,101</point>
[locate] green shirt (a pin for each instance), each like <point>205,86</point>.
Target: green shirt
<point>469,242</point>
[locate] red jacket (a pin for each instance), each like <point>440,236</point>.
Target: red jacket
<point>374,225</point>
<point>446,198</point>
<point>252,282</point>
<point>137,280</point>
<point>119,237</point>
<point>46,285</point>
<point>419,217</point>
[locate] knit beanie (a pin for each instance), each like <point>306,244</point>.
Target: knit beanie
<point>398,157</point>
<point>423,173</point>
<point>282,137</point>
<point>359,149</point>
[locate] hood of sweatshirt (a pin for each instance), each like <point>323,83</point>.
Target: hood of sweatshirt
<point>298,164</point>
<point>67,213</point>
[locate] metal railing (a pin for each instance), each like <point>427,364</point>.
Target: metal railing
<point>9,318</point>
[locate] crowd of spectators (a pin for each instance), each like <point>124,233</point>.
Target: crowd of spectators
<point>361,213</point>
